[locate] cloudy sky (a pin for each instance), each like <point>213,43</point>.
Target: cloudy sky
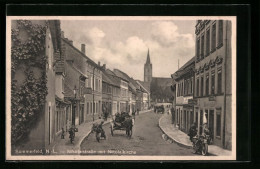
<point>123,44</point>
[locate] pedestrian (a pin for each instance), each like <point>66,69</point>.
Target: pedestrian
<point>62,133</point>
<point>133,114</point>
<point>192,131</point>
<point>172,111</point>
<point>137,111</point>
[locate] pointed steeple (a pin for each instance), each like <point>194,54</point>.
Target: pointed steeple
<point>148,58</point>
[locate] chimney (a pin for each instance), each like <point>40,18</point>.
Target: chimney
<point>98,63</point>
<point>71,42</point>
<point>104,66</point>
<point>83,48</point>
<point>62,34</point>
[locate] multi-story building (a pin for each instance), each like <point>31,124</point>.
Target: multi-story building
<point>124,100</point>
<point>36,120</point>
<point>116,93</point>
<point>83,83</point>
<point>213,79</point>
<point>143,95</point>
<point>184,79</point>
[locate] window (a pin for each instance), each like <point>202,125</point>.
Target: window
<point>202,87</point>
<point>62,85</point>
<point>213,82</point>
<point>91,107</point>
<point>191,86</point>
<point>177,115</point>
<point>197,92</point>
<point>220,33</point>
<point>182,88</point>
<point>219,81</point>
<point>87,107</point>
<point>198,49</point>
<point>218,121</point>
<point>207,85</point>
<point>202,47</point>
<point>207,41</point>
<point>213,45</point>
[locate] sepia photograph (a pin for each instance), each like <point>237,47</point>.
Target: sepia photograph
<point>121,88</point>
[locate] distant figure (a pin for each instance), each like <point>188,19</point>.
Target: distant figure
<point>137,111</point>
<point>193,131</point>
<point>172,111</point>
<point>133,114</point>
<point>62,133</point>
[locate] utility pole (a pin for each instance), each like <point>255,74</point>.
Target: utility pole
<point>178,64</point>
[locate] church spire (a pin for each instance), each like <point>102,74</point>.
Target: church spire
<point>148,58</point>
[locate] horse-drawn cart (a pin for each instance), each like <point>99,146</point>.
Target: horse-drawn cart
<point>122,122</point>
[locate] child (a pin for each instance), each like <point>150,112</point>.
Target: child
<point>62,133</point>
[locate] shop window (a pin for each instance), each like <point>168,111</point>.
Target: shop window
<point>207,41</point>
<point>197,118</point>
<point>219,81</point>
<point>213,83</point>
<point>201,121</point>
<point>220,33</point>
<point>213,38</point>
<point>57,121</point>
<point>218,121</point>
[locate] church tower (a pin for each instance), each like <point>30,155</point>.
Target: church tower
<point>148,69</point>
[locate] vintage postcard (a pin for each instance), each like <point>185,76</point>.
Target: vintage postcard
<point>121,88</point>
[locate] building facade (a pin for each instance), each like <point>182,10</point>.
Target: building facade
<point>213,79</point>
<point>35,129</point>
<point>83,78</point>
<point>184,78</point>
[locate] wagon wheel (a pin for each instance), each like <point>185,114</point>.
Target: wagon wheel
<point>112,132</point>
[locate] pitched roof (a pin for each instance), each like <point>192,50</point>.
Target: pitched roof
<point>121,74</point>
<point>181,70</point>
<point>70,63</point>
<point>116,81</point>
<point>146,85</point>
<point>109,79</point>
<point>66,40</point>
<point>143,88</point>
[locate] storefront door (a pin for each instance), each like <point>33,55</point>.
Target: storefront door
<point>211,123</point>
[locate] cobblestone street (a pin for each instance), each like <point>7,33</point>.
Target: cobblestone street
<point>146,140</point>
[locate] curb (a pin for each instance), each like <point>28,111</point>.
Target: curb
<point>86,136</point>
<point>174,140</point>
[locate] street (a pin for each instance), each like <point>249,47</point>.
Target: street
<point>146,140</point>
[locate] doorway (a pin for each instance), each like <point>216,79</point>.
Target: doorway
<point>211,123</point>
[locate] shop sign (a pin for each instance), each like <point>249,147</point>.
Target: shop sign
<point>186,99</point>
<point>212,98</point>
<point>193,101</point>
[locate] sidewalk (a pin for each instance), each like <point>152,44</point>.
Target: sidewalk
<point>183,139</point>
<point>63,146</point>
